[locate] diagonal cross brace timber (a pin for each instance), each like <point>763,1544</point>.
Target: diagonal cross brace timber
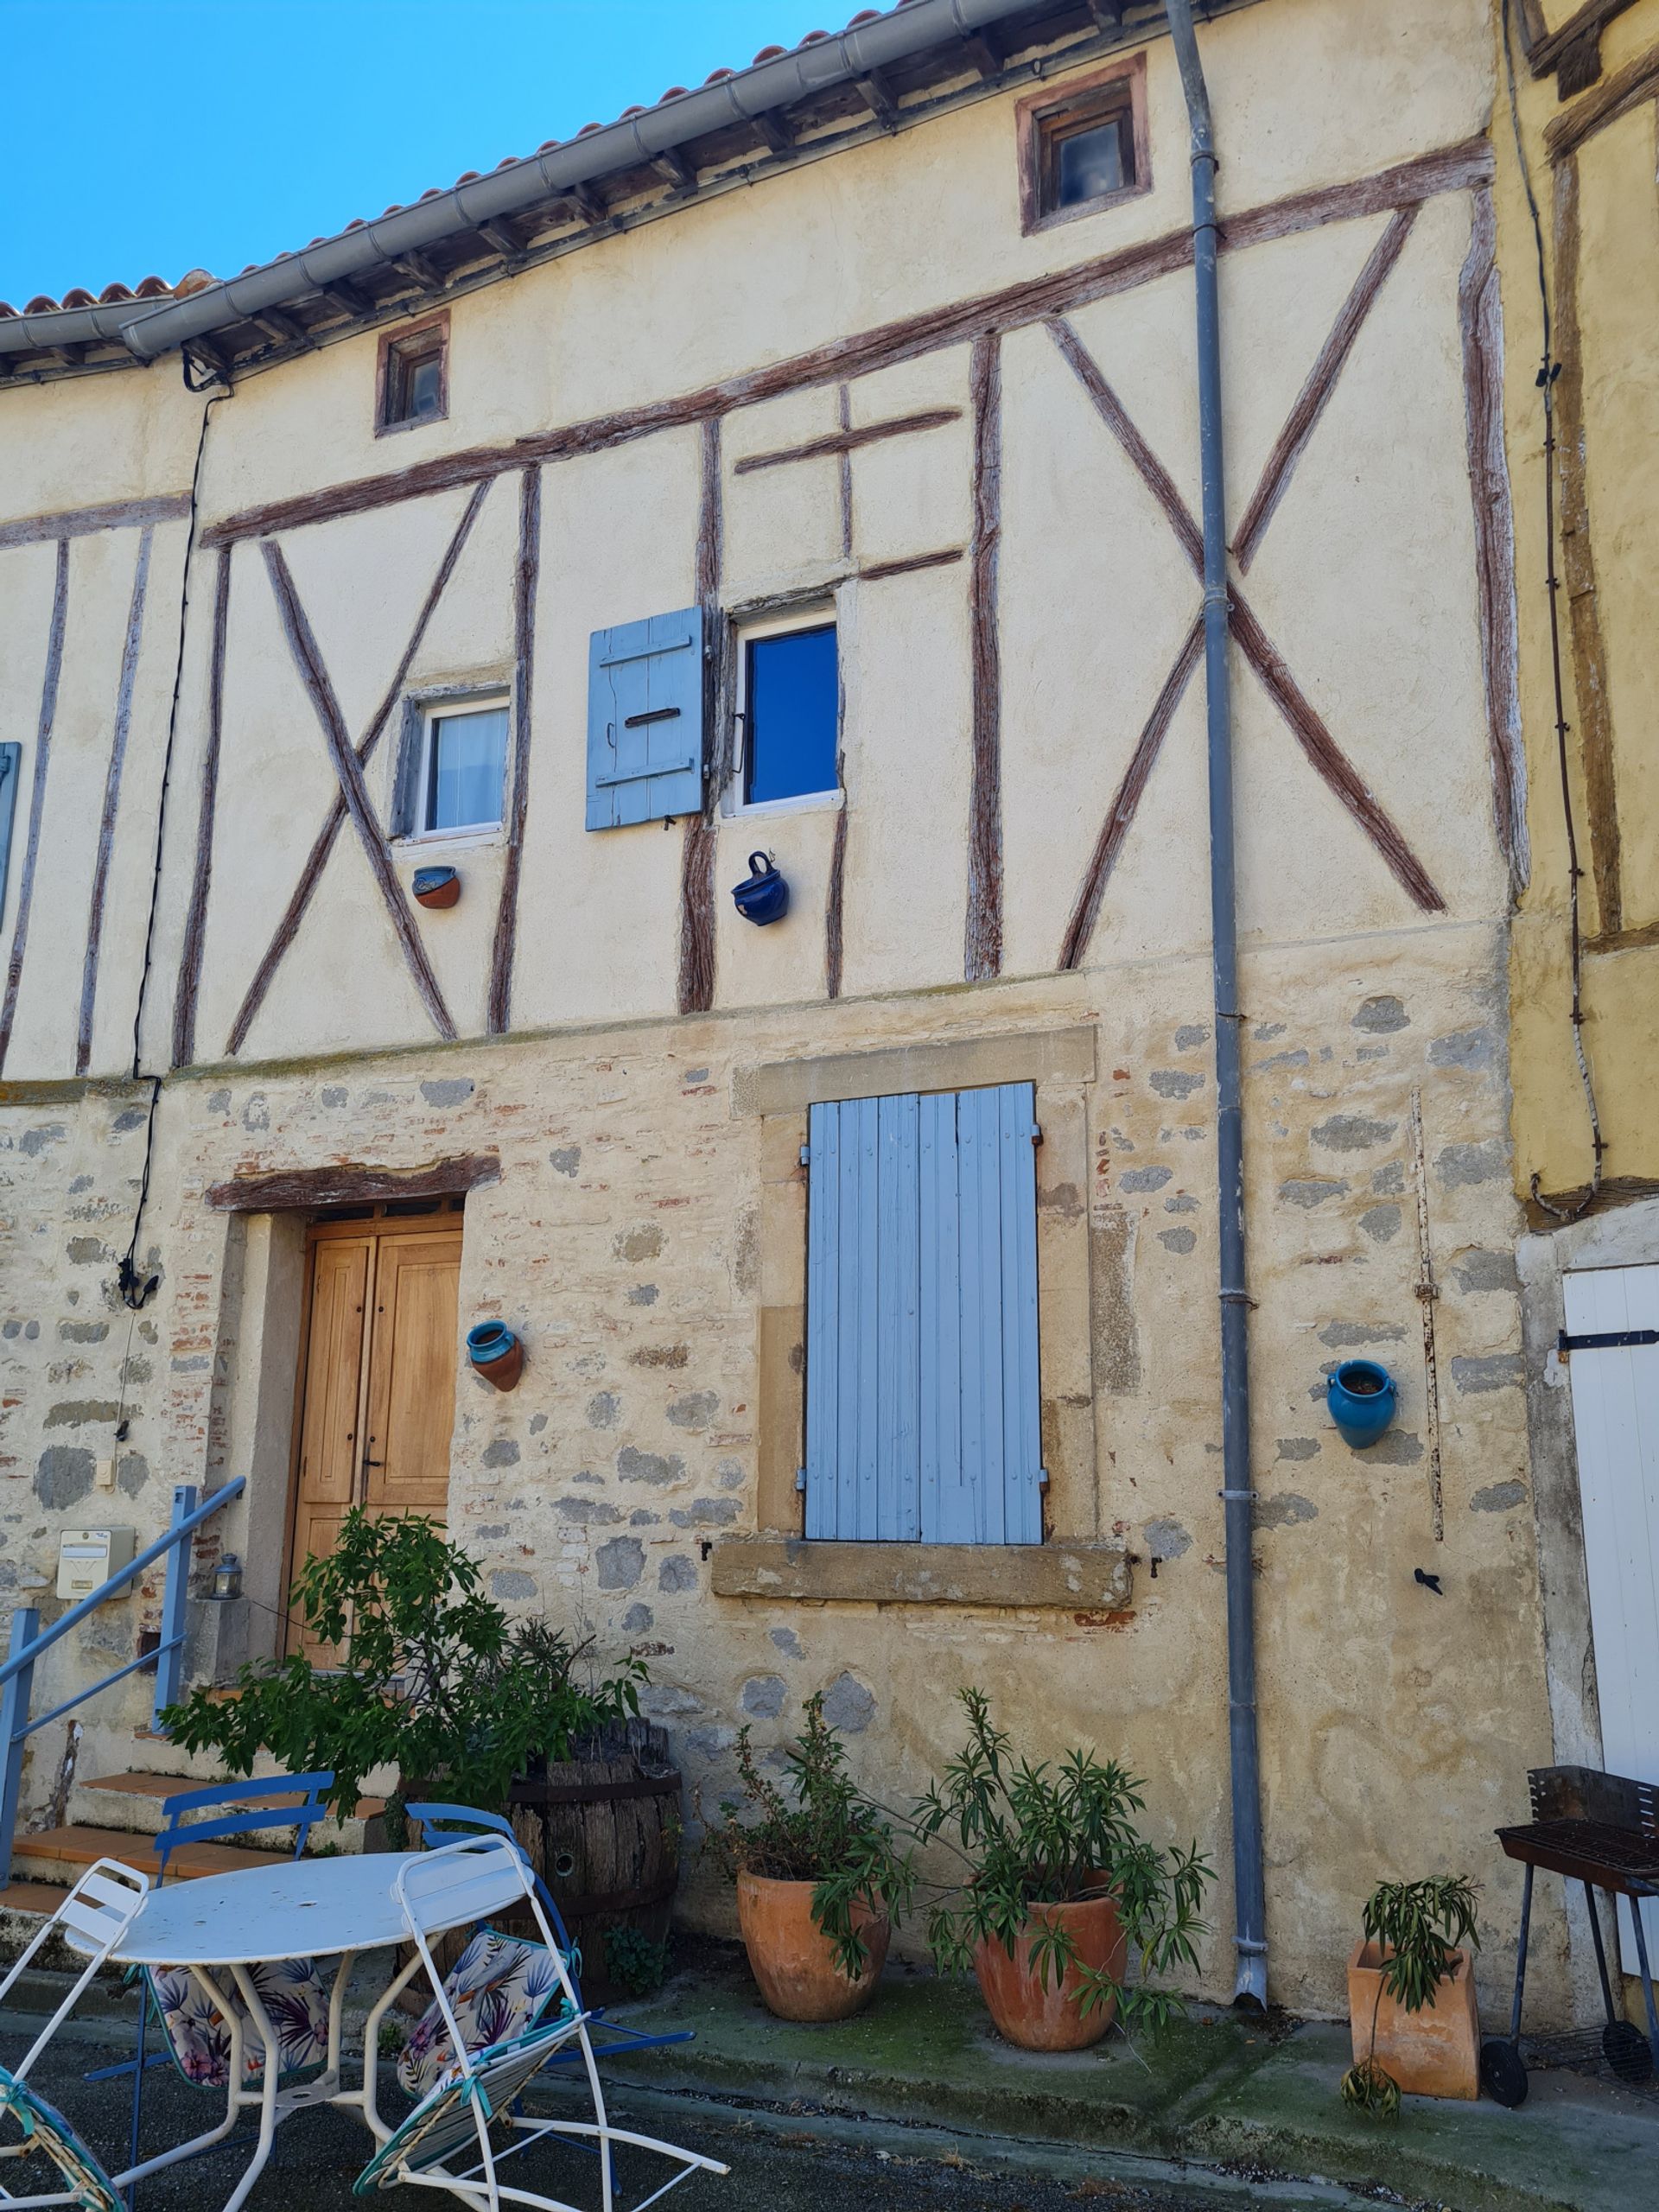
<point>1301,716</point>
<point>323,844</point>
<point>314,676</point>
<point>1312,399</point>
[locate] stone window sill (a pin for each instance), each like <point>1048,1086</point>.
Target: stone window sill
<point>1072,1578</point>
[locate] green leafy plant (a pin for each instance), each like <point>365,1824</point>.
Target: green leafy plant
<point>830,1834</point>
<point>1418,1928</point>
<point>1045,1835</point>
<point>633,1961</point>
<point>435,1678</point>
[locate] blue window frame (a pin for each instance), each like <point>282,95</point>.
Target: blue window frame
<point>923,1396</point>
<point>791,715</point>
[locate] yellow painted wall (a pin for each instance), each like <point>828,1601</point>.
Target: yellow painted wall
<point>1613,352</point>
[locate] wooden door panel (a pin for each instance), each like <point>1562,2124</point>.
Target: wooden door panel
<point>341,1277</point>
<point>412,1362</point>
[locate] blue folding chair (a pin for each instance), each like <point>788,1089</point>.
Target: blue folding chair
<point>198,2041</point>
<point>445,1824</point>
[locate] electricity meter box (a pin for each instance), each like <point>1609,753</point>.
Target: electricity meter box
<point>88,1557</point>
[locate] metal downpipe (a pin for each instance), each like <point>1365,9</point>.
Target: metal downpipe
<point>1250,1914</point>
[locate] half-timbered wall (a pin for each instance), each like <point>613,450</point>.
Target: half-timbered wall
<point>859,385</point>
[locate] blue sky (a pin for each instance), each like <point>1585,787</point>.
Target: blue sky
<point>150,137</point>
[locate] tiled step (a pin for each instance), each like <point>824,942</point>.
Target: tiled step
<point>159,1786</point>
<point>60,1853</point>
<point>39,1897</point>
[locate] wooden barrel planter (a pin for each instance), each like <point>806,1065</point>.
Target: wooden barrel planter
<point>603,1831</point>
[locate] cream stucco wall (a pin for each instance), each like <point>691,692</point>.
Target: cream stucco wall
<point>624,1235</point>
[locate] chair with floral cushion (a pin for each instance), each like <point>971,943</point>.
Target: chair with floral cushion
<point>471,2121</point>
<point>294,1991</point>
<point>95,1915</point>
<point>444,1823</point>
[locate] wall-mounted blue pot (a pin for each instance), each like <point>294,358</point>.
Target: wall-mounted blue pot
<point>763,895</point>
<point>497,1353</point>
<point>1362,1397</point>
<point>436,887</point>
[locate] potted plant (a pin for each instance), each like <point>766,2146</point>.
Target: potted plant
<point>435,1679</point>
<point>1411,1996</point>
<point>819,1880</point>
<point>1059,1887</point>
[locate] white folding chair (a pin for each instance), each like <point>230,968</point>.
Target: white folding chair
<point>471,2109</point>
<point>98,1912</point>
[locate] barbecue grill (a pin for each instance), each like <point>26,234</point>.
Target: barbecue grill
<point>1602,1830</point>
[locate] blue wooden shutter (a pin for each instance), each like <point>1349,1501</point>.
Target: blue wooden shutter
<point>11,768</point>
<point>863,1272</point>
<point>923,1411</point>
<point>645,735</point>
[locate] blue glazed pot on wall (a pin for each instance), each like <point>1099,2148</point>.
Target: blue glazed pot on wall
<point>1362,1397</point>
<point>497,1353</point>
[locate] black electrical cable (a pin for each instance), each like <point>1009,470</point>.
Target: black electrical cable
<point>1549,370</point>
<point>136,1290</point>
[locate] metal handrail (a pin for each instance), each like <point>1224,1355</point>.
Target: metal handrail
<point>123,1575</point>
<point>17,1672</point>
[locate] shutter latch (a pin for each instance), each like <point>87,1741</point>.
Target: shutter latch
<point>1042,1477</point>
<point>806,1153</point>
<point>800,1478</point>
<point>1035,1133</point>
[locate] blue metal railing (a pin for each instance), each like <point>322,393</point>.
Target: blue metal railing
<point>17,1673</point>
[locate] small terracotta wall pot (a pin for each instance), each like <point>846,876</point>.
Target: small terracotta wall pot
<point>793,1960</point>
<point>1433,2053</point>
<point>1046,2015</point>
<point>497,1353</point>
<point>436,887</point>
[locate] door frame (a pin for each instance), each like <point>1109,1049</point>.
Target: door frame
<point>388,1217</point>
<point>1623,1237</point>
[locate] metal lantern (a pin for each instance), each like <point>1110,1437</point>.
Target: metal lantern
<point>227,1577</point>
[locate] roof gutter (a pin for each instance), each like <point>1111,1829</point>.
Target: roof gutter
<point>894,37</point>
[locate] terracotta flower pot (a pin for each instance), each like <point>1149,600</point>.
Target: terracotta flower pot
<point>1048,2015</point>
<point>793,1960</point>
<point>1433,2053</point>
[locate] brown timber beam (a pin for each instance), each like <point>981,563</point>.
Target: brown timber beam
<point>1452,168</point>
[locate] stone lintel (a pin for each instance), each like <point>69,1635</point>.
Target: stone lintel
<point>944,1063</point>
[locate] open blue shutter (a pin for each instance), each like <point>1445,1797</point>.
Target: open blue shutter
<point>645,736</point>
<point>923,1412</point>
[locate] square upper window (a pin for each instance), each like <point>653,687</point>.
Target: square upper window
<point>790,709</point>
<point>1084,148</point>
<point>462,769</point>
<point>413,376</point>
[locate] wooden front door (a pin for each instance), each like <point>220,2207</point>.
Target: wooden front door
<point>378,1386</point>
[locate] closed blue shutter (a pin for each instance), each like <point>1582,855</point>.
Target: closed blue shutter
<point>923,1413</point>
<point>646,737</point>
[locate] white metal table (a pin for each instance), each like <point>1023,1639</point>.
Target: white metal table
<point>322,1908</point>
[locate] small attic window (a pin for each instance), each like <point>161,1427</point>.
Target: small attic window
<point>413,376</point>
<point>1083,148</point>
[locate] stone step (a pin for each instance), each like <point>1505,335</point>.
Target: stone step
<point>148,1787</point>
<point>39,1898</point>
<point>61,1854</point>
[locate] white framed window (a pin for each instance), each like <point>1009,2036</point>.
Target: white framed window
<point>788,750</point>
<point>456,776</point>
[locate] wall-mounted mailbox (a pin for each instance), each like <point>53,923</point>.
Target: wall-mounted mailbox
<point>88,1557</point>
